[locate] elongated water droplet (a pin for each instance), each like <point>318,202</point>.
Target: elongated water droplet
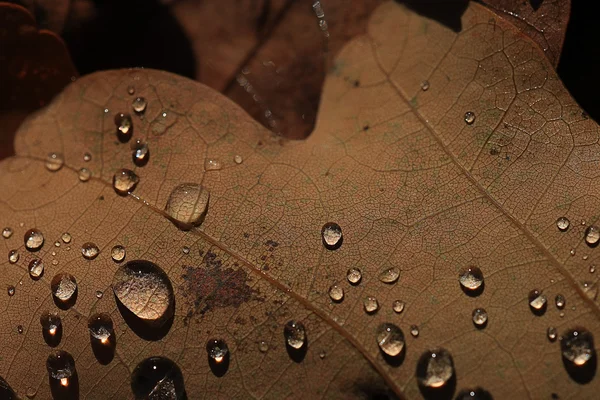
<point>354,275</point>
<point>84,174</point>
<point>124,181</point>
<point>370,304</point>
<point>336,293</point>
<point>217,350</point>
<point>537,300</point>
<point>60,366</point>
<point>141,153</point>
<point>157,378</point>
<point>471,279</point>
<point>469,117</point>
<point>101,328</point>
<point>34,240</point>
<point>390,339</point>
<point>414,330</point>
<point>139,105</point>
<point>117,253</point>
<point>7,232</point>
<point>592,235</point>
<point>560,301</point>
<point>590,289</point>
<point>211,164</point>
<point>36,268</point>
<point>389,275</point>
<point>66,237</point>
<point>480,317</point>
<point>54,162</point>
<point>89,250</point>
<point>577,346</point>
<point>51,327</point>
<point>563,224</point>
<point>63,286</point>
<point>11,290</point>
<point>474,394</point>
<point>188,205</point>
<point>398,306</point>
<point>295,334</point>
<point>13,256</point>
<point>551,333</point>
<point>435,368</point>
<point>331,233</point>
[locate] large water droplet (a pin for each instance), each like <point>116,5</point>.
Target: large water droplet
<point>551,333</point>
<point>435,368</point>
<point>34,240</point>
<point>141,153</point>
<point>390,339</point>
<point>336,293</point>
<point>13,256</point>
<point>354,275</point>
<point>118,253</point>
<point>389,275</point>
<point>87,157</point>
<point>54,162</point>
<point>60,366</point>
<point>370,304</point>
<point>560,301</point>
<point>480,317</point>
<point>139,105</point>
<point>295,334</point>
<point>36,268</point>
<point>331,234</point>
<point>7,232</point>
<point>84,174</point>
<point>157,378</point>
<point>238,159</point>
<point>217,350</point>
<point>537,301</point>
<point>425,86</point>
<point>188,205</point>
<point>89,250</point>
<point>577,346</point>
<point>64,287</point>
<point>592,235</point>
<point>471,279</point>
<point>469,117</point>
<point>101,328</point>
<point>124,181</point>
<point>398,306</point>
<point>563,224</point>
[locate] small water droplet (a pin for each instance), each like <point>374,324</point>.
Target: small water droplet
<point>560,301</point>
<point>263,346</point>
<point>101,329</point>
<point>36,268</point>
<point>295,334</point>
<point>590,289</point>
<point>56,244</point>
<point>185,250</point>
<point>238,159</point>
<point>13,256</point>
<point>469,117</point>
<point>124,181</point>
<point>87,157</point>
<point>474,394</point>
<point>389,275</point>
<point>54,162</point>
<point>51,323</point>
<point>7,232</point>
<point>537,300</point>
<point>370,304</point>
<point>118,253</point>
<point>217,350</point>
<point>20,329</point>
<point>551,333</point>
<point>64,287</point>
<point>322,354</point>
<point>130,90</point>
<point>84,174</point>
<point>425,86</point>
<point>354,275</point>
<point>592,235</point>
<point>331,233</point>
<point>211,164</point>
<point>592,269</point>
<point>390,339</point>
<point>60,366</point>
<point>33,239</point>
<point>336,293</point>
<point>11,290</point>
<point>572,252</point>
<point>157,378</point>
<point>139,105</point>
<point>66,237</point>
<point>577,346</point>
<point>141,153</point>
<point>89,250</point>
<point>480,317</point>
<point>471,279</point>
<point>563,224</point>
<point>188,205</point>
<point>31,392</point>
<point>414,330</point>
<point>99,294</point>
<point>435,368</point>
<point>398,306</point>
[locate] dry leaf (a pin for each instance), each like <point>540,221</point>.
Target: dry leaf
<point>411,183</point>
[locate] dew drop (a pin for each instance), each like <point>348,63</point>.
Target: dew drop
<point>295,334</point>
<point>101,329</point>
<point>64,287</point>
<point>592,269</point>
<point>551,333</point>
<point>414,330</point>
<point>211,164</point>
<point>54,162</point>
<point>398,306</point>
<point>51,323</point>
<point>238,159</point>
<point>354,275</point>
<point>87,157</point>
<point>13,256</point>
<point>118,253</point>
<point>470,278</point>
<point>560,301</point>
<point>336,293</point>
<point>473,394</point>
<point>592,235</point>
<point>537,300</point>
<point>7,232</point>
<point>435,368</point>
<point>66,237</point>
<point>139,105</point>
<point>11,290</point>
<point>33,239</point>
<point>124,181</point>
<point>157,378</point>
<point>99,294</point>
<point>480,317</point>
<point>425,86</point>
<point>20,329</point>
<point>590,289</point>
<point>89,250</point>
<point>141,153</point>
<point>263,346</point>
<point>130,90</point>
<point>188,205</point>
<point>36,268</point>
<point>331,233</point>
<point>577,346</point>
<point>469,117</point>
<point>563,224</point>
<point>370,304</point>
<point>217,350</point>
<point>390,339</point>
<point>185,250</point>
<point>84,174</point>
<point>389,275</point>
<point>60,366</point>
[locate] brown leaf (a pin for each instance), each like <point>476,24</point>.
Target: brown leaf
<point>412,185</point>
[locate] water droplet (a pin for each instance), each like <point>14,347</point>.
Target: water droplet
<point>99,294</point>
<point>54,162</point>
<point>435,368</point>
<point>141,153</point>
<point>89,250</point>
<point>572,252</point>
<point>295,334</point>
<point>389,275</point>
<point>217,350</point>
<point>560,301</point>
<point>145,290</point>
<point>469,117</point>
<point>263,346</point>
<point>474,394</point>
<point>31,392</point>
<point>36,268</point>
<point>592,269</point>
<point>390,339</point>
<point>185,250</point>
<point>60,366</point>
<point>84,174</point>
<point>130,90</point>
<point>370,304</point>
<point>480,317</point>
<point>20,329</point>
<point>11,290</point>
<point>101,328</point>
<point>7,232</point>
<point>354,276</point>
<point>471,279</point>
<point>238,159</point>
<point>118,253</point>
<point>13,256</point>
<point>66,237</point>
<point>414,330</point>
<point>398,306</point>
<point>64,287</point>
<point>322,354</point>
<point>537,300</point>
<point>34,239</point>
<point>51,323</point>
<point>592,235</point>
<point>211,164</point>
<point>590,289</point>
<point>425,86</point>
<point>124,181</point>
<point>87,157</point>
<point>139,105</point>
<point>56,244</point>
<point>336,293</point>
<point>577,346</point>
<point>331,234</point>
<point>157,378</point>
<point>551,333</point>
<point>563,224</point>
<point>188,205</point>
